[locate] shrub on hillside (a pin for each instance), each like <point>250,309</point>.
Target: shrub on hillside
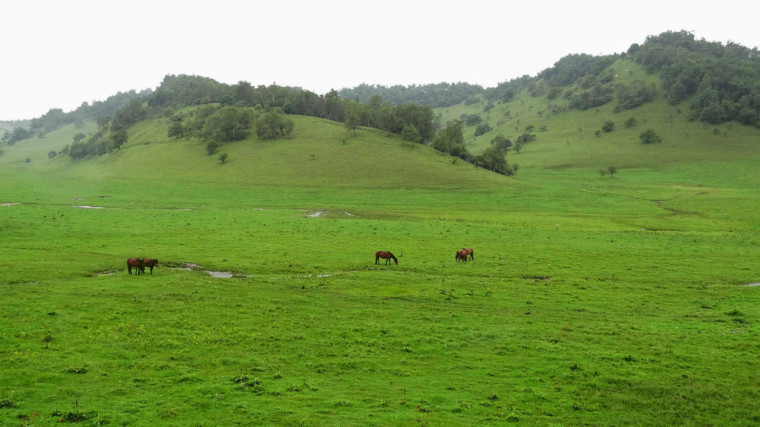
<point>649,137</point>
<point>482,129</point>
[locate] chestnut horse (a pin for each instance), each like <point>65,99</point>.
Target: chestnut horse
<point>149,263</point>
<point>469,252</point>
<point>387,256</point>
<point>461,255</point>
<point>137,264</point>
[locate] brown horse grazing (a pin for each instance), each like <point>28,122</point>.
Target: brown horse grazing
<point>469,252</point>
<point>387,256</point>
<point>137,264</point>
<point>149,263</point>
<point>461,255</point>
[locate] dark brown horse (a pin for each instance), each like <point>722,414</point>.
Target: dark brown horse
<point>137,264</point>
<point>387,256</point>
<point>461,255</point>
<point>149,263</point>
<point>469,252</point>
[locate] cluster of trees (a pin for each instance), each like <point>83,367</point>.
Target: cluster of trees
<point>572,68</point>
<point>17,134</point>
<point>217,125</point>
<point>494,157</point>
<point>183,90</point>
<point>432,95</point>
<point>633,95</point>
<point>111,133</point>
<point>723,81</point>
<point>56,118</point>
<point>226,113</point>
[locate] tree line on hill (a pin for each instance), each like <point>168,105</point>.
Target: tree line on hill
<point>218,113</point>
<point>722,83</point>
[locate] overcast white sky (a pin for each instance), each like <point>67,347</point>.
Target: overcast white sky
<point>58,54</point>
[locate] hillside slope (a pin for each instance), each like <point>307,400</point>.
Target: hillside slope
<point>571,138</point>
<point>319,153</point>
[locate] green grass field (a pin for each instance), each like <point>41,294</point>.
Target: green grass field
<point>615,301</point>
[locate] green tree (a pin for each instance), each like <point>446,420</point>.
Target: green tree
<point>493,159</point>
<point>501,143</point>
<point>223,157</point>
<point>410,133</point>
<point>273,124</point>
<point>18,134</point>
<point>128,115</point>
<point>353,116</point>
<point>422,117</point>
<point>451,139</point>
<point>228,124</point>
<point>482,128</point>
<point>473,119</point>
<point>608,126</point>
<point>649,137</point>
<point>118,139</point>
<point>244,93</point>
<point>176,130</point>
<point>518,146</point>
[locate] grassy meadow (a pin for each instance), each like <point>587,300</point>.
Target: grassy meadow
<point>602,301</point>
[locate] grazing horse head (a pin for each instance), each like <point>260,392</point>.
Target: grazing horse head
<point>461,255</point>
<point>149,263</point>
<point>387,256</point>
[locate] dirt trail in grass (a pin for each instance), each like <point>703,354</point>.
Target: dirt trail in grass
<point>752,285</point>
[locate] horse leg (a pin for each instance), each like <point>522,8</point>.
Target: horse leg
<point>377,260</point>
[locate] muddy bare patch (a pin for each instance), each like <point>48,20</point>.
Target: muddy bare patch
<point>9,204</point>
<point>752,285</point>
<point>190,266</point>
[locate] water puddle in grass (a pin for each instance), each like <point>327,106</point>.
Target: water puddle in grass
<point>89,207</point>
<point>752,285</point>
<point>220,274</point>
<point>319,213</point>
<point>9,204</point>
<point>189,266</point>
